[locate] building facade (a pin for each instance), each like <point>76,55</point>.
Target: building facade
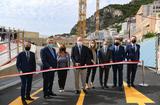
<point>147,19</point>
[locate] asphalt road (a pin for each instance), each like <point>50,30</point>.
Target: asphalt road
<point>97,96</point>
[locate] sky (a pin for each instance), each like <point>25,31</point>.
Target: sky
<point>48,17</point>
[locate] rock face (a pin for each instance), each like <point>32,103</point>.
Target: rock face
<point>108,16</point>
<point>112,14</point>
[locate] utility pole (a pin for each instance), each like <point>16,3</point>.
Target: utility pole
<point>97,23</point>
<point>97,17</point>
<point>158,53</point>
<point>129,28</point>
<point>82,18</point>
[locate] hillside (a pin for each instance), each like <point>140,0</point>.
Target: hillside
<point>112,14</point>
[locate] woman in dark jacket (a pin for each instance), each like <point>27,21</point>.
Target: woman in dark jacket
<point>92,61</point>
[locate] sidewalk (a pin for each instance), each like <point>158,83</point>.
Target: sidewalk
<point>9,82</point>
<point>11,69</point>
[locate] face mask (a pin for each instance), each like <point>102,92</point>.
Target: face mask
<point>116,43</point>
<point>105,46</point>
<point>79,43</point>
<point>92,45</point>
<point>134,41</point>
<point>62,49</point>
<point>50,45</point>
<point>27,48</point>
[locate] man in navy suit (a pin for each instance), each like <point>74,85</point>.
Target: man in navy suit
<point>49,61</point>
<point>26,63</point>
<point>118,55</point>
<point>132,54</point>
<point>104,56</point>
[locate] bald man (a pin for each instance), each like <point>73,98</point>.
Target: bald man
<point>26,63</point>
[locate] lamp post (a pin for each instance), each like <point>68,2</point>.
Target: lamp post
<point>158,54</point>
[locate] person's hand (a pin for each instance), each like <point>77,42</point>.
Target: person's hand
<point>111,61</point>
<point>77,64</point>
<point>20,72</point>
<point>94,62</point>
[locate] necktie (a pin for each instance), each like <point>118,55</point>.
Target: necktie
<point>134,47</point>
<point>52,52</point>
<point>28,55</point>
<point>105,49</point>
<point>117,48</point>
<point>80,48</point>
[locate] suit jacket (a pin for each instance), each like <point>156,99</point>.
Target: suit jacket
<point>82,58</point>
<point>131,54</point>
<point>47,58</point>
<point>25,65</point>
<point>91,56</point>
<point>104,57</point>
<point>119,55</point>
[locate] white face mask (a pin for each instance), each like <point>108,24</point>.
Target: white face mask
<point>105,46</point>
<point>79,43</point>
<point>92,45</point>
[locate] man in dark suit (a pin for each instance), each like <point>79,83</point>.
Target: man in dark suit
<point>26,63</point>
<point>49,61</point>
<point>132,54</point>
<point>118,55</point>
<point>80,57</point>
<point>104,56</point>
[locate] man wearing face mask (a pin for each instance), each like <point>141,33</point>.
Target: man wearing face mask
<point>79,55</point>
<point>132,54</point>
<point>118,55</point>
<point>104,56</point>
<point>49,61</point>
<point>26,63</point>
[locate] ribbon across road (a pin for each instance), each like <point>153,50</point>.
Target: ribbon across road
<point>70,68</point>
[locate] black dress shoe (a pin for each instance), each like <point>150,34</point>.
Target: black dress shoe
<point>93,87</point>
<point>52,94</point>
<point>24,102</point>
<point>106,86</point>
<point>114,86</point>
<point>47,97</point>
<point>133,85</point>
<point>85,91</point>
<point>29,98</point>
<point>129,85</point>
<point>102,87</point>
<point>77,92</point>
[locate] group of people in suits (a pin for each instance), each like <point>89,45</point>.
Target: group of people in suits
<point>81,55</point>
<point>117,53</point>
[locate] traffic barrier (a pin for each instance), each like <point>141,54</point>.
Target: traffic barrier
<point>72,67</point>
<point>10,50</point>
<point>9,61</point>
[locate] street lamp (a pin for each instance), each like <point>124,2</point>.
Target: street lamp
<point>158,53</point>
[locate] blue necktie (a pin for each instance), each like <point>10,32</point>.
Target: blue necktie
<point>52,52</point>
